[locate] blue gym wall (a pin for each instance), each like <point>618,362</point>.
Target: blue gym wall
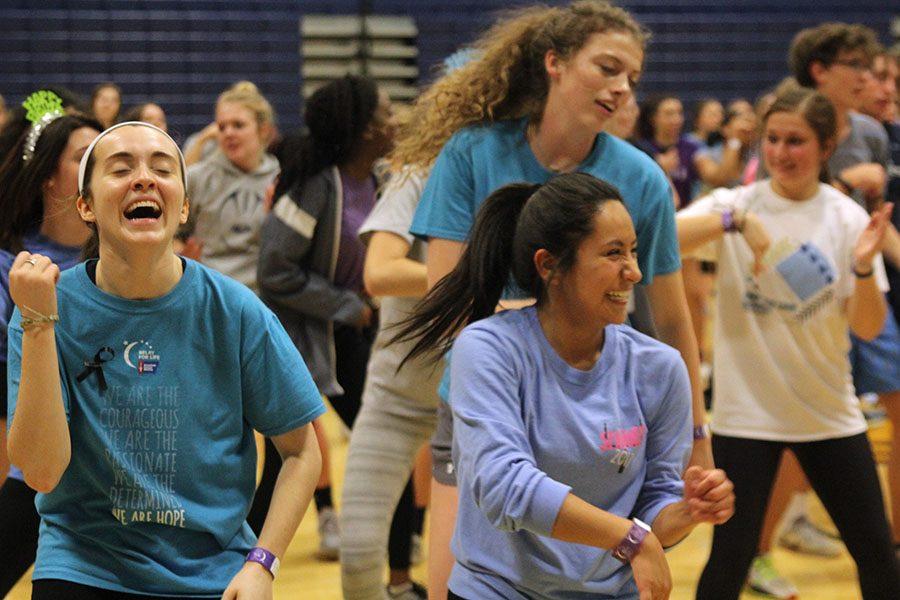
<point>182,54</point>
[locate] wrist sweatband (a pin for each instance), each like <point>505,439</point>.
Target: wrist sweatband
<point>265,558</point>
<point>632,541</point>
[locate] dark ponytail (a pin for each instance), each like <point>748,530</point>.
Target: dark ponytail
<point>512,224</point>
<point>471,291</point>
<point>337,115</point>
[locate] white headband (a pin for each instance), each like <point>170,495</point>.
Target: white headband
<point>82,167</point>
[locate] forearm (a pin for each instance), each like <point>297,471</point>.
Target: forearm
<point>866,309</point>
<point>399,277</point>
<point>673,322</point>
<point>891,249</point>
<point>696,230</point>
<point>674,326</point>
<point>39,441</point>
<point>716,174</point>
<point>673,523</point>
<point>194,153</point>
<point>582,523</point>
<point>293,491</point>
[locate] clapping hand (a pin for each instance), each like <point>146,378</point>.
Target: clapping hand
<point>872,238</point>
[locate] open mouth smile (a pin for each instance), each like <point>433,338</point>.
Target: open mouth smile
<point>143,210</point>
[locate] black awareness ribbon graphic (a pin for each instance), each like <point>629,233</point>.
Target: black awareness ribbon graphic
<point>95,365</point>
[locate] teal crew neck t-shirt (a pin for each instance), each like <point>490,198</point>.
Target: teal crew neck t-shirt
<point>478,160</point>
<point>163,461</point>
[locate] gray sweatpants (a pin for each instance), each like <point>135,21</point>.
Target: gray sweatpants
<point>386,436</point>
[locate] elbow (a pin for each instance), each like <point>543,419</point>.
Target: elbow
<point>42,472</point>
<point>867,332</point>
<point>42,476</point>
<point>870,327</point>
<point>373,283</point>
<point>42,483</point>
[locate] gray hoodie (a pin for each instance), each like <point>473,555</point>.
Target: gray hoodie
<point>227,213</point>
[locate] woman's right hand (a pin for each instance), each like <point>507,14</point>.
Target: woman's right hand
<point>870,178</point>
<point>210,132</point>
<point>32,284</point>
<point>651,571</point>
<point>757,238</point>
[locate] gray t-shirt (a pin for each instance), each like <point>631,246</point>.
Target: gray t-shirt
<point>418,380</point>
<point>867,143</point>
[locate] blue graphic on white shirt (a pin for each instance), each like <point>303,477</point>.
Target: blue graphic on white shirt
<point>807,271</point>
<point>799,281</point>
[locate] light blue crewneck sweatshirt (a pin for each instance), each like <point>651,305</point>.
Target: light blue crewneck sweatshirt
<point>529,429</point>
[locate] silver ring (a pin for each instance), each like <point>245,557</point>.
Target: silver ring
<point>32,262</point>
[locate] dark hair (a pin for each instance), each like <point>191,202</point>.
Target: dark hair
<point>649,108</point>
<point>823,43</point>
<point>103,86</point>
<point>134,113</point>
<point>106,85</point>
<point>17,125</point>
<point>21,182</point>
<point>816,110</point>
<point>512,224</point>
<point>337,114</point>
<point>717,137</point>
<point>700,105</point>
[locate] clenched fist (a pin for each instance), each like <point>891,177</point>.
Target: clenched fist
<point>32,284</point>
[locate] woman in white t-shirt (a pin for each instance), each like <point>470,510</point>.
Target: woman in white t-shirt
<point>804,271</point>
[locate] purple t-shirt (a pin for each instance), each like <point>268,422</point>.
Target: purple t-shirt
<point>359,199</point>
<point>685,176</point>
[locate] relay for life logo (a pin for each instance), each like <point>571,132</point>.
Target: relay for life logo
<point>139,355</point>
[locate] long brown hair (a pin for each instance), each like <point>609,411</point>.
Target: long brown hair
<point>507,78</point>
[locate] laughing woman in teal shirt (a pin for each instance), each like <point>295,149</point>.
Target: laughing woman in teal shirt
<point>133,399</point>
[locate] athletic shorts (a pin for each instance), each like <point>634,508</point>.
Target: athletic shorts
<point>876,364</point>
<point>442,467</point>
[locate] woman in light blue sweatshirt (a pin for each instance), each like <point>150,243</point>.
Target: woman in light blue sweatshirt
<point>571,430</point>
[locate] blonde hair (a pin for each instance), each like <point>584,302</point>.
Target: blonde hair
<point>247,95</point>
<point>507,78</point>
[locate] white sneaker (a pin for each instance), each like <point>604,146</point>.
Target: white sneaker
<point>416,554</point>
<point>407,591</point>
<point>329,535</point>
<point>804,537</point>
<point>765,580</point>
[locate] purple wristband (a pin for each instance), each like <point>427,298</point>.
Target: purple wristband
<point>265,558</point>
<point>701,432</point>
<point>632,541</point>
<point>728,224</point>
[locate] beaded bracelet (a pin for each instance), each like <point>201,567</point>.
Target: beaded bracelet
<point>38,320</point>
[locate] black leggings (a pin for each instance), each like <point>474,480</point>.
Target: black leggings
<point>19,522</point>
<point>842,472</point>
<point>352,349</point>
<point>56,589</point>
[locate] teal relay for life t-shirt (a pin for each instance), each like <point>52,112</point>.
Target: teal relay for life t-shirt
<point>478,160</point>
<point>163,462</point>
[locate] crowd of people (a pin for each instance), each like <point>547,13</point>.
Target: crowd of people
<point>503,291</point>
